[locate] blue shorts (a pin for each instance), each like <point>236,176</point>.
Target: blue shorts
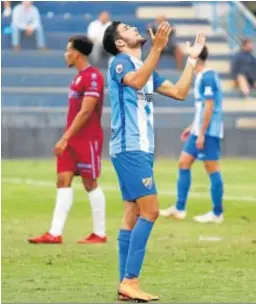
<point>211,150</point>
<point>135,174</point>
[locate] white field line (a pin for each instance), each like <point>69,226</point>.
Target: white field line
<point>109,168</point>
<point>249,185</point>
<point>198,195</point>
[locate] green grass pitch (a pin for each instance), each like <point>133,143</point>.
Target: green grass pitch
<point>180,265</point>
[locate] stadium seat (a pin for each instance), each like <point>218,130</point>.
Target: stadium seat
<point>44,78</point>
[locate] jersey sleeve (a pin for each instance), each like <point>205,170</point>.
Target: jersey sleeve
<point>93,85</point>
<point>157,80</point>
<point>120,67</point>
<point>209,86</point>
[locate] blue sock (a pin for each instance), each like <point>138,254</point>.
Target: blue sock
<point>217,192</point>
<point>137,249</point>
<point>123,245</point>
<point>183,186</point>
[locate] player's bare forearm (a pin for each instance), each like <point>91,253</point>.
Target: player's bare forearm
<point>78,123</point>
<point>207,116</point>
<point>139,78</point>
<point>179,90</point>
<point>184,83</point>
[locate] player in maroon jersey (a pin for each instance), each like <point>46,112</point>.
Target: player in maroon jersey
<point>79,149</point>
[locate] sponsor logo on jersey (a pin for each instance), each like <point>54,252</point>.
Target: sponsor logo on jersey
<point>145,96</point>
<point>74,94</point>
<point>94,84</point>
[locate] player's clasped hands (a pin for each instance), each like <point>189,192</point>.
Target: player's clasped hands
<point>160,39</point>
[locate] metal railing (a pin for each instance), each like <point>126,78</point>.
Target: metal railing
<point>234,18</point>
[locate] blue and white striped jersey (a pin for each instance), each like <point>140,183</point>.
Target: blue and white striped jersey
<point>132,122</point>
<point>207,87</point>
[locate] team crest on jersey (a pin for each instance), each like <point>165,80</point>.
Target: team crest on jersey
<point>119,68</point>
<point>78,80</point>
<point>201,156</point>
<point>208,91</point>
<point>94,76</point>
<point>148,182</point>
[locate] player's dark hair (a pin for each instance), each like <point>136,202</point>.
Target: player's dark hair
<point>110,36</point>
<point>82,44</point>
<point>204,54</point>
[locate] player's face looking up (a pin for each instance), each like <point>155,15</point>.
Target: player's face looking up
<point>71,55</point>
<point>128,36</point>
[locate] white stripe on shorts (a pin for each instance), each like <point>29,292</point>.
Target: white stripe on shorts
<point>96,143</point>
<point>93,161</point>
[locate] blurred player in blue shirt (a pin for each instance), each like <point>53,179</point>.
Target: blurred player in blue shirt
<point>131,84</point>
<point>202,141</point>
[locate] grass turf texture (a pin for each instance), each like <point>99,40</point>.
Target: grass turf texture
<point>178,266</point>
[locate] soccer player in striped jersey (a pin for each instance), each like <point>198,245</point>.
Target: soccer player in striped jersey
<point>131,85</point>
<point>202,141</point>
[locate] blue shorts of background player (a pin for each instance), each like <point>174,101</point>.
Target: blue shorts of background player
<point>211,150</point>
<point>210,155</point>
<point>135,174</point>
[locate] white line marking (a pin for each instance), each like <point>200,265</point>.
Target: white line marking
<point>249,185</point>
<point>198,195</point>
<point>210,238</point>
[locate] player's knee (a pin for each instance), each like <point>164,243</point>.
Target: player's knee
<point>183,163</point>
<point>155,214</point>
<point>211,167</point>
<point>130,217</point>
<point>63,182</point>
<point>151,214</point>
<point>90,185</point>
<point>128,223</point>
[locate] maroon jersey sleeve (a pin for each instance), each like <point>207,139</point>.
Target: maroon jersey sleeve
<point>93,84</point>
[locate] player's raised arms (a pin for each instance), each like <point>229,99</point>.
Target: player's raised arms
<point>139,78</point>
<point>180,90</point>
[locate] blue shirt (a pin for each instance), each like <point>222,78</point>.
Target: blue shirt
<point>22,17</point>
<point>207,87</point>
<point>131,110</point>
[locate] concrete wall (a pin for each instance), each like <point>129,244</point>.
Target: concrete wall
<point>27,135</point>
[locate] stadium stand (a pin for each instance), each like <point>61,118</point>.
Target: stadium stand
<point>40,79</point>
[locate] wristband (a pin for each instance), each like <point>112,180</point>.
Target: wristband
<point>192,61</point>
